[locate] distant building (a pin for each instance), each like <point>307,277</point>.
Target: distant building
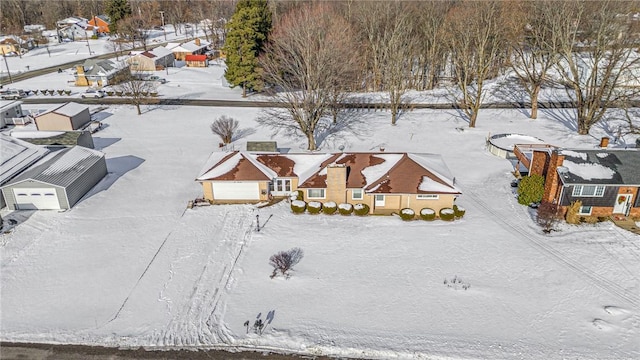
<point>99,72</point>
<point>151,60</point>
<point>100,23</point>
<point>69,116</point>
<point>193,47</point>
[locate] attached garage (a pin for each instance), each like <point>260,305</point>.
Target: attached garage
<point>236,190</point>
<point>58,181</point>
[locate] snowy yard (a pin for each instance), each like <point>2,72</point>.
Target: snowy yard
<point>130,265</point>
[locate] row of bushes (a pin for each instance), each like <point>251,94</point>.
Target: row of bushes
<point>122,93</point>
<point>446,214</point>
<point>49,92</point>
<point>330,208</point>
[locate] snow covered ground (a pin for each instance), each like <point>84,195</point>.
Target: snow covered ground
<point>130,265</point>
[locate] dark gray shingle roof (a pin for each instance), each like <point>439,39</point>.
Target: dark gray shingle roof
<point>601,167</point>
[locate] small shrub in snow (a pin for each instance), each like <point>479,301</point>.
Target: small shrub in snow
<point>447,214</point>
<point>572,216</point>
<point>345,209</point>
<point>297,195</point>
<point>458,211</point>
<point>329,208</point>
<point>531,189</point>
<point>361,209</point>
<point>284,261</point>
<point>548,217</point>
<point>407,214</point>
<point>456,283</point>
<point>314,207</point>
<point>427,214</point>
<point>298,206</point>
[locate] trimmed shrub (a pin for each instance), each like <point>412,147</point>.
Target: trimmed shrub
<point>329,208</point>
<point>345,209</point>
<point>51,92</point>
<point>60,92</point>
<point>427,214</point>
<point>531,189</point>
<point>361,209</point>
<point>67,92</point>
<point>119,93</point>
<point>314,207</point>
<point>572,216</point>
<point>298,206</point>
<point>447,214</point>
<point>458,211</point>
<point>110,93</point>
<point>407,214</point>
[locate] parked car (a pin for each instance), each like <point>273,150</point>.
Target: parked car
<point>12,94</point>
<point>157,78</point>
<point>92,93</point>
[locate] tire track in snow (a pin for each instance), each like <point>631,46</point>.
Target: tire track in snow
<point>534,240</point>
<point>195,324</point>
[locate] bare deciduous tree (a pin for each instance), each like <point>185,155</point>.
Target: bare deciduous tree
<point>136,89</point>
<point>284,261</point>
<point>597,56</point>
<point>548,216</point>
<point>476,43</point>
<point>534,45</point>
<point>307,56</point>
<point>430,52</point>
<point>225,127</point>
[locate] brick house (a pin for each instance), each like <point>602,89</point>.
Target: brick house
<point>100,23</point>
<point>606,181</point>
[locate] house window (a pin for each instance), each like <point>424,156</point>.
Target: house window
<point>315,193</point>
<point>588,190</point>
<point>427,197</point>
<point>379,200</point>
<point>283,185</point>
<point>356,194</point>
<point>584,210</point>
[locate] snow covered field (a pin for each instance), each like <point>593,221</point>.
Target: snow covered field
<point>130,265</point>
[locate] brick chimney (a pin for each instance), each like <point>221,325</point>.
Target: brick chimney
<point>337,183</point>
<point>604,142</point>
<point>552,181</point>
<point>197,41</point>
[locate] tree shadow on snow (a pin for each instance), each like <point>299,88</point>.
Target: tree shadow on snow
<point>100,143</point>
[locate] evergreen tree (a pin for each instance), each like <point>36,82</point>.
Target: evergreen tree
<point>248,32</point>
<point>117,10</point>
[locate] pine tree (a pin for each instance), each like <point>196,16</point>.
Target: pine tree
<point>248,32</point>
<point>117,10</point>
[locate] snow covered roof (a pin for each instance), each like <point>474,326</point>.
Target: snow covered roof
<point>375,172</point>
<point>238,166</point>
<point>160,51</point>
<point>16,156</point>
<point>102,67</point>
<point>600,166</point>
<point>61,168</point>
<point>69,109</point>
<point>4,104</point>
<point>190,46</point>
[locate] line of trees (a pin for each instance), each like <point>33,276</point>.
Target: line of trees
<point>319,51</point>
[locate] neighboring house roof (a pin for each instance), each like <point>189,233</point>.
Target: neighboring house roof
<point>9,39</point>
<point>16,156</point>
<point>172,45</point>
<point>600,166</point>
<point>104,18</point>
<point>69,109</point>
<point>195,58</point>
<point>190,46</point>
<point>71,20</point>
<point>375,172</point>
<point>159,52</point>
<point>105,67</point>
<point>10,104</point>
<point>44,138</point>
<point>61,168</point>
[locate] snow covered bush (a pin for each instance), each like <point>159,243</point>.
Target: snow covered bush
<point>361,209</point>
<point>298,206</point>
<point>297,195</point>
<point>345,209</point>
<point>407,214</point>
<point>329,208</point>
<point>531,189</point>
<point>447,214</point>
<point>458,211</point>
<point>427,214</point>
<point>284,261</point>
<point>456,282</point>
<point>314,207</point>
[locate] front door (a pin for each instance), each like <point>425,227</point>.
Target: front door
<point>379,200</point>
<point>623,203</point>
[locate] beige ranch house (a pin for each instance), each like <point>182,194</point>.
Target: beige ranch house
<point>387,182</point>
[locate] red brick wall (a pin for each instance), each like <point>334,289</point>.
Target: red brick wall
<point>552,184</point>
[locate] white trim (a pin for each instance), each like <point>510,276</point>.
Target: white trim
<point>357,198</point>
<point>579,189</point>
<point>316,197</point>
<point>584,213</point>
<point>378,202</point>
<point>427,196</point>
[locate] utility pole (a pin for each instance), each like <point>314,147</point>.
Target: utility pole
<point>4,56</point>
<point>88,45</point>
<point>163,29</point>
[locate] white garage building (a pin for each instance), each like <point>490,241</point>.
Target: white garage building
<point>58,181</point>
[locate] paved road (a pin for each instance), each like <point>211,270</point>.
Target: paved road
<point>13,351</point>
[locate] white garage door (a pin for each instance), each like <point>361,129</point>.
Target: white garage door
<point>236,191</point>
<point>36,199</point>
